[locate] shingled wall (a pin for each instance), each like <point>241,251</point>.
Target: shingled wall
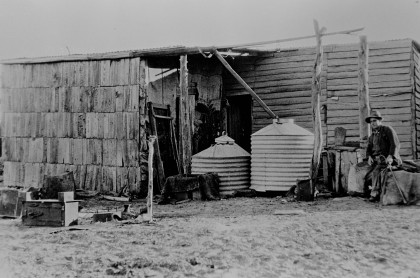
<point>85,116</point>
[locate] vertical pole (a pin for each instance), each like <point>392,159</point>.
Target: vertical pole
<point>150,185</point>
<point>363,92</point>
<point>184,117</point>
<point>143,82</point>
<point>316,111</point>
<point>413,104</point>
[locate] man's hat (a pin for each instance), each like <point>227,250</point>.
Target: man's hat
<point>374,115</point>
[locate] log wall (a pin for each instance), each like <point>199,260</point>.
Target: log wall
<point>283,81</point>
<point>87,117</point>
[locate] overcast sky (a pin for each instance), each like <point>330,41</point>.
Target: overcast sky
<point>34,28</point>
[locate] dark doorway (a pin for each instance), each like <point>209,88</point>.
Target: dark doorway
<point>240,120</point>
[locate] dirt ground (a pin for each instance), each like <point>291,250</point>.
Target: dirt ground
<point>238,237</point>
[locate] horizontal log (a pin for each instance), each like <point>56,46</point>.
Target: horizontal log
<point>377,105</point>
<point>378,99</point>
<point>295,52</point>
<point>251,71</point>
<point>372,60</point>
<point>372,79</point>
<point>272,81</point>
<point>257,77</point>
<point>372,66</point>
<point>348,118</point>
<point>374,72</point>
<point>372,52</point>
<point>372,46</point>
<point>401,131</point>
<point>384,85</point>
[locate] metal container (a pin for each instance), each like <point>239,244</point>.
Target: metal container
<point>281,154</point>
<point>228,160</point>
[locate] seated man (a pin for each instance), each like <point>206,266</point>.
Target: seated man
<point>382,150</point>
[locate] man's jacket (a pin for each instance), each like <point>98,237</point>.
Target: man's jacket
<point>388,142</point>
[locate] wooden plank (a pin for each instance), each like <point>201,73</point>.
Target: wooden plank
<point>133,153</point>
<point>185,137</point>
<point>250,71</point>
<point>122,153</point>
<point>36,150</point>
<point>105,72</point>
<point>119,98</point>
<point>94,73</point>
<point>109,179</point>
<point>76,146</point>
<point>91,125</point>
<point>373,59</point>
<point>110,152</point>
<point>64,151</point>
<point>268,75</point>
<point>52,150</point>
<point>134,77</point>
<point>122,178</point>
<point>413,109</point>
<point>372,80</point>
<point>363,91</point>
<point>134,98</point>
<point>93,179</point>
<point>78,125</point>
<point>316,109</point>
<point>119,126</point>
<point>108,99</point>
<point>157,158</point>
<point>337,180</point>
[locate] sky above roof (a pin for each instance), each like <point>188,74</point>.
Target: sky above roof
<point>37,28</point>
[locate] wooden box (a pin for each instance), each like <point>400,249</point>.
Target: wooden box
<point>50,212</point>
<point>8,202</point>
<point>11,201</point>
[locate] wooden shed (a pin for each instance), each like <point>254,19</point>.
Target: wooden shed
<point>283,81</point>
<point>91,114</point>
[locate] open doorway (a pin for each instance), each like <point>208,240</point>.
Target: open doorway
<point>240,120</point>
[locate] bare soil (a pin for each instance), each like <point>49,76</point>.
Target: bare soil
<point>239,237</point>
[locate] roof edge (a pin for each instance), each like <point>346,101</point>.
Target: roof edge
<point>154,52</point>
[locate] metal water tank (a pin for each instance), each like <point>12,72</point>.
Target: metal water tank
<point>228,160</point>
<point>281,154</point>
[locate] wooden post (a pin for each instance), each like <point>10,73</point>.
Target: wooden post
<point>413,105</point>
<point>337,171</point>
<point>363,91</point>
<point>243,83</point>
<point>143,82</point>
<point>316,111</point>
<point>159,162</point>
<point>150,185</point>
<point>185,136</point>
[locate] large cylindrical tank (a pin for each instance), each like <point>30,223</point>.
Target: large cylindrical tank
<point>228,160</point>
<point>281,154</point>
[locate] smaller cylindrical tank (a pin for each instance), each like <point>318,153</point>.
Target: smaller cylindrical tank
<point>228,160</point>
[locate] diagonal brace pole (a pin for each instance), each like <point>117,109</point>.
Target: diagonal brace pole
<point>243,83</point>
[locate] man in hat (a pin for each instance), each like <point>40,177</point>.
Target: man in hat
<point>382,150</point>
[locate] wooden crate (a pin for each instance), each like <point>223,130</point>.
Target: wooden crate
<point>11,201</point>
<point>50,212</point>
